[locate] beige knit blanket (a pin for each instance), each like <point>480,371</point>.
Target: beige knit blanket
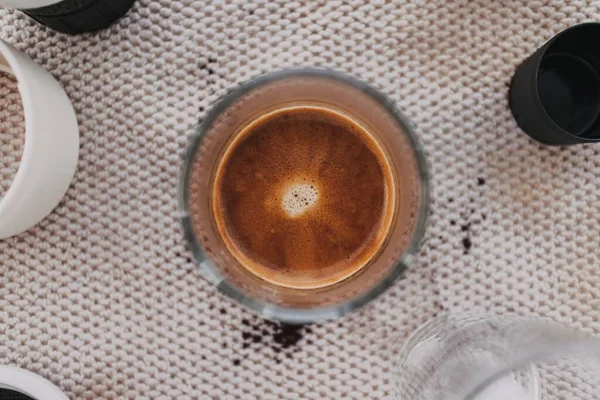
<point>102,297</point>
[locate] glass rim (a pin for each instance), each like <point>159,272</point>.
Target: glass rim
<point>267,309</point>
<point>576,346</point>
<point>569,343</point>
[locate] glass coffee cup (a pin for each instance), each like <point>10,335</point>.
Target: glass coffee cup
<point>281,97</point>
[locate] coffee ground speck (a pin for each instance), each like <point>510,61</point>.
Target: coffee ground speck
<point>467,244</point>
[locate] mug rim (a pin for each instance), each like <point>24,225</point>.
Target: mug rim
<point>50,150</point>
<point>543,52</point>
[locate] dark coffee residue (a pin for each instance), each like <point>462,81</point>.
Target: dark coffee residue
<point>282,338</point>
<point>467,244</point>
<point>466,226</point>
<point>205,66</point>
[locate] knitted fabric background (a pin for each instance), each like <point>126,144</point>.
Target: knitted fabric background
<point>103,299</point>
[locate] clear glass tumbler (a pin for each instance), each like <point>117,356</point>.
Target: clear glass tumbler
<point>305,87</point>
<point>488,357</point>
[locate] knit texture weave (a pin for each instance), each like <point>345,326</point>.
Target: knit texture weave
<point>103,299</point>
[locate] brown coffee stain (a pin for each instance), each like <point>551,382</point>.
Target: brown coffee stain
<point>283,339</point>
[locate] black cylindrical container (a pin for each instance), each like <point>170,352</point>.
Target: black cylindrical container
<point>7,394</point>
<point>555,93</point>
<point>77,16</point>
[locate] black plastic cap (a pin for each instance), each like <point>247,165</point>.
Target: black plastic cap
<point>78,16</point>
<point>555,93</point>
<point>7,394</point>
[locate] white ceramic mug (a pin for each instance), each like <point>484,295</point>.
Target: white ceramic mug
<point>51,147</point>
<point>27,383</point>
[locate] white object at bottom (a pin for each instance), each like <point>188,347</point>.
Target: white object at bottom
<point>30,384</point>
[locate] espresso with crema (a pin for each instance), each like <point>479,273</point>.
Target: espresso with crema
<point>304,197</point>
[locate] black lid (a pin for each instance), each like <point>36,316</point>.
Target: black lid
<point>77,16</point>
<point>555,93</point>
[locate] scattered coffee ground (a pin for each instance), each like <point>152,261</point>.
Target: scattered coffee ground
<point>283,339</point>
<point>467,224</point>
<point>467,244</point>
<point>470,217</point>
